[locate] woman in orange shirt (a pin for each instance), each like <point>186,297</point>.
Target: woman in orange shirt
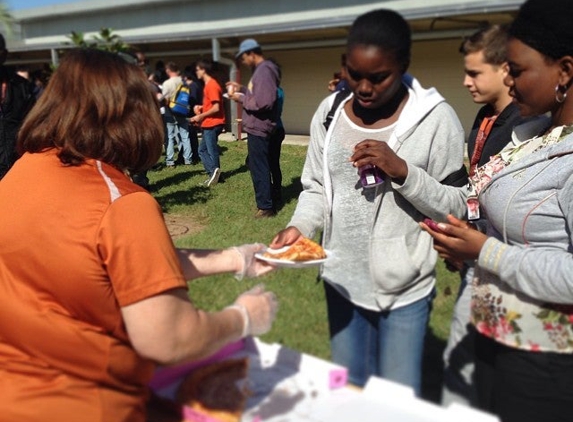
<point>93,292</point>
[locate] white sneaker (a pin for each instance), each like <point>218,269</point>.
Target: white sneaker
<point>214,178</point>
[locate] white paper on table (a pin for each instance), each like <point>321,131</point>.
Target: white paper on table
<point>288,385</point>
<point>383,400</point>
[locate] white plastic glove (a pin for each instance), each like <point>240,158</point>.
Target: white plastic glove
<point>252,267</point>
<point>258,308</point>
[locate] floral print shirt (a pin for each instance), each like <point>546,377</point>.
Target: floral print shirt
<point>521,201</point>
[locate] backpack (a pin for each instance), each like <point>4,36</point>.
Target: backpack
<point>279,103</point>
<point>340,96</point>
<point>180,102</point>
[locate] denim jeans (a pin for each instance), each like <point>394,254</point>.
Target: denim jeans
<point>209,150</point>
<point>177,134</point>
<point>277,139</point>
<point>387,344</point>
<point>259,167</point>
<point>194,141</point>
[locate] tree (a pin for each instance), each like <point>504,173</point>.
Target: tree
<point>77,39</point>
<point>109,41</point>
<point>6,19</point>
<point>105,40</point>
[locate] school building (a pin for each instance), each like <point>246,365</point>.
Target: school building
<point>306,37</point>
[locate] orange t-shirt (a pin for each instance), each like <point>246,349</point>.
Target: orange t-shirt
<point>212,93</point>
<point>77,243</point>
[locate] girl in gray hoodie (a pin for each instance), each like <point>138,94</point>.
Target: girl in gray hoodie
<point>380,276</point>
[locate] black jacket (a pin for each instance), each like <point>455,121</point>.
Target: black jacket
<point>500,134</point>
<point>17,102</point>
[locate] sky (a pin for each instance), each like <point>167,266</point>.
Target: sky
<point>30,4</point>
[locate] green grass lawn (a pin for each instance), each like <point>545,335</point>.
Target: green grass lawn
<point>222,216</point>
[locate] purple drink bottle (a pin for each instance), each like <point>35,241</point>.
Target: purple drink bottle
<point>370,176</point>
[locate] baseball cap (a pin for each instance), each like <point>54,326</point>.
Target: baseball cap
<point>247,45</point>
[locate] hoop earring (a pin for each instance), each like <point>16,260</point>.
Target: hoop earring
<point>560,90</point>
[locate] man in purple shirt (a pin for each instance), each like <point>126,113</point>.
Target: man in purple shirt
<point>261,116</point>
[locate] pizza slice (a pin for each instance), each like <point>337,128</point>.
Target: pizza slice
<point>214,390</point>
<point>303,249</point>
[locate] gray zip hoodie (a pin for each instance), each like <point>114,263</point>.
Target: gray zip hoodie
<point>401,259</point>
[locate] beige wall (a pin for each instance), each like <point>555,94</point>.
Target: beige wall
<point>306,73</point>
<point>439,64</point>
<point>305,78</point>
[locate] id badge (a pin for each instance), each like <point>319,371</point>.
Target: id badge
<point>473,208</point>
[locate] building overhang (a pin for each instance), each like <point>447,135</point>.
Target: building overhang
<point>188,27</point>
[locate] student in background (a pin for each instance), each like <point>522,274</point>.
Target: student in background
<point>485,67</point>
<point>339,82</point>
<point>261,117</point>
<point>211,117</point>
<point>189,77</point>
<point>16,100</point>
<point>177,123</point>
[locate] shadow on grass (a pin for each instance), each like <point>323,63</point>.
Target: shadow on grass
<point>290,192</point>
<point>226,174</point>
<point>183,196</point>
<point>432,367</point>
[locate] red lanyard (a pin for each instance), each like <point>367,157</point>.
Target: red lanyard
<point>483,132</point>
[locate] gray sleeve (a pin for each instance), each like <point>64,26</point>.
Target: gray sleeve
<point>431,198</point>
<point>309,213</point>
<point>422,187</point>
<point>542,273</point>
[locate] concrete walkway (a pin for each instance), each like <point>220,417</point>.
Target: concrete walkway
<point>301,140</point>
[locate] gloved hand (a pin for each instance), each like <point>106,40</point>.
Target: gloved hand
<point>252,267</point>
<point>258,308</point>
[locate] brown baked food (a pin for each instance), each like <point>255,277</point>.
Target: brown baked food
<point>161,409</point>
<point>214,389</point>
<point>303,249</point>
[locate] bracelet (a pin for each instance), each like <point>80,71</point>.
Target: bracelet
<point>245,315</point>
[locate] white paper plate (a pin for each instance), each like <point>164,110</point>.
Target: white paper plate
<point>291,264</point>
<point>225,95</point>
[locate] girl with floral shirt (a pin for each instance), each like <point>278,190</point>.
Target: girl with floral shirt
<point>523,287</point>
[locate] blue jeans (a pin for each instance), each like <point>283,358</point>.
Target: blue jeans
<point>260,169</point>
<point>209,150</point>
<point>387,344</point>
<point>177,134</point>
<point>276,141</point>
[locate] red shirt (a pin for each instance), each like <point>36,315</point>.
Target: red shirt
<point>212,93</point>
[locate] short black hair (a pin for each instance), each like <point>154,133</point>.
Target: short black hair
<point>385,29</point>
<point>545,26</point>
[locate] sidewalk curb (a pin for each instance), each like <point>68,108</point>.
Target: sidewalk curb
<point>301,140</point>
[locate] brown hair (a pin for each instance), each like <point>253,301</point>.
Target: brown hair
<point>207,65</point>
<point>172,67</point>
<point>492,40</point>
<point>97,106</point>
